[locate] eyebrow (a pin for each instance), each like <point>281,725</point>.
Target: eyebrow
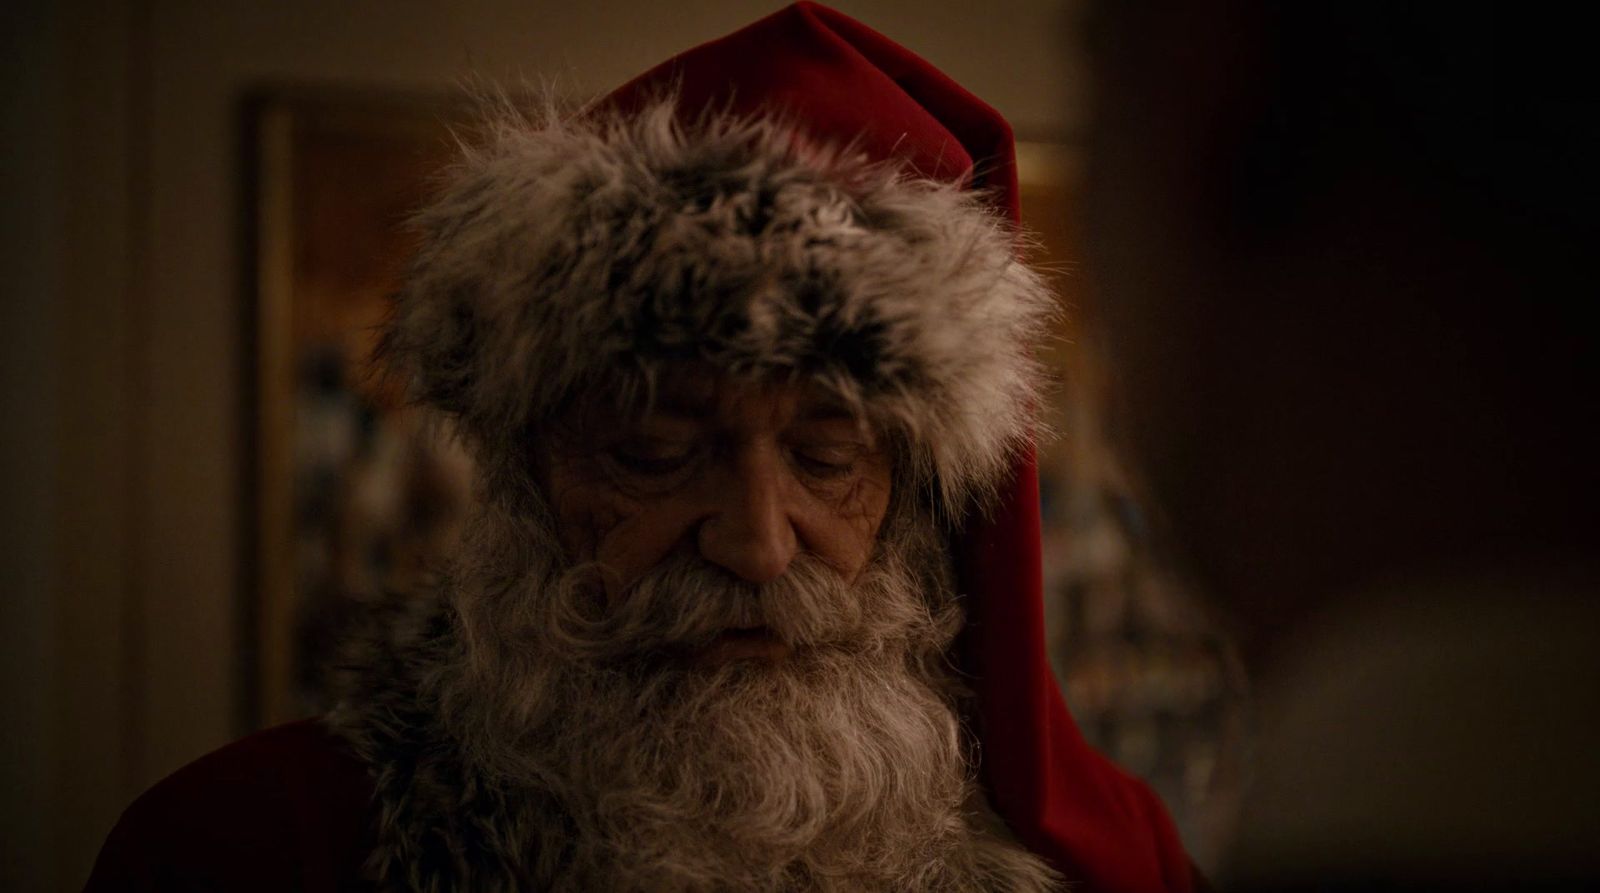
<point>826,412</point>
<point>686,404</point>
<point>700,404</point>
<point>701,410</point>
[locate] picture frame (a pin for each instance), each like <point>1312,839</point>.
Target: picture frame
<point>331,179</point>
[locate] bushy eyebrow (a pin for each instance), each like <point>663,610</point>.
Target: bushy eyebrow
<point>692,411</point>
<point>687,400</point>
<point>826,412</point>
<point>696,407</point>
<point>700,404</point>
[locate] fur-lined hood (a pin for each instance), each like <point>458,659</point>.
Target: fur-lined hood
<point>576,255</point>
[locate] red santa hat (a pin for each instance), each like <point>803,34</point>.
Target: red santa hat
<point>802,197</point>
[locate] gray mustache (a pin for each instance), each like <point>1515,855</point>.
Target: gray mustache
<point>686,603</point>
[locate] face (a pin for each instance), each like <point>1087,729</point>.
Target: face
<point>744,476</point>
<point>834,760</point>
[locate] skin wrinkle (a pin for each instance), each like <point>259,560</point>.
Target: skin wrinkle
<point>585,527</point>
<point>749,442</point>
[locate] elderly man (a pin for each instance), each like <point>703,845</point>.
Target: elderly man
<point>742,353</point>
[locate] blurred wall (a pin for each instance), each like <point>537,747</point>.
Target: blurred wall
<point>120,340</point>
<point>29,363</point>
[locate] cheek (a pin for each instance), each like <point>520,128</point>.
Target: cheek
<point>583,509</point>
<point>623,534</point>
<point>846,533</point>
<point>628,535</point>
<point>639,541</point>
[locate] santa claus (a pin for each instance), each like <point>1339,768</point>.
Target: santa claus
<point>750,598</point>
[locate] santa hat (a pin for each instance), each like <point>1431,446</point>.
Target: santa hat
<point>801,198</point>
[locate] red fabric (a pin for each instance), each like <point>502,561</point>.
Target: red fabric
<point>842,81</point>
<point>284,809</point>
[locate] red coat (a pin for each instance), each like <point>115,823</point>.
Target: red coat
<point>284,809</point>
<point>288,808</point>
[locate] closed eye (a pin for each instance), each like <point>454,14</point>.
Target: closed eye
<point>651,458</point>
<point>826,462</point>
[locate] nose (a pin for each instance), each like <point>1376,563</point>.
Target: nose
<point>748,531</point>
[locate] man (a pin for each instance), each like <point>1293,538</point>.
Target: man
<point>742,353</point>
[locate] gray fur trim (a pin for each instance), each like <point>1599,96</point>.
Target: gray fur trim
<point>442,823</point>
<point>570,255</point>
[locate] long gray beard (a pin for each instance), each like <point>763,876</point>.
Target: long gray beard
<point>842,766</point>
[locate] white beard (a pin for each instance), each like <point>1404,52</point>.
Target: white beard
<point>842,766</point>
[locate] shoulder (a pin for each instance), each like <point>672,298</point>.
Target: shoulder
<point>284,808</point>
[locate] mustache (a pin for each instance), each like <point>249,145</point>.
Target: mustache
<point>685,603</point>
